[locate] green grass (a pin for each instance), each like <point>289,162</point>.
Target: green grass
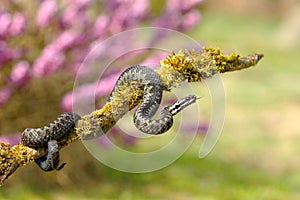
<point>257,155</point>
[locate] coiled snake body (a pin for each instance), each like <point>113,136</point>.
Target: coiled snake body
<point>138,77</point>
<point>142,77</point>
<point>50,135</point>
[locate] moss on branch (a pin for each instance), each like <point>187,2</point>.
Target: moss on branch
<point>189,65</point>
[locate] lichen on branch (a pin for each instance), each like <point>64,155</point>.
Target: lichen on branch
<point>189,65</point>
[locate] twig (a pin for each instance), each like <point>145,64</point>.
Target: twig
<point>187,65</point>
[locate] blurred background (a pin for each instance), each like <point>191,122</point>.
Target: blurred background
<point>43,42</point>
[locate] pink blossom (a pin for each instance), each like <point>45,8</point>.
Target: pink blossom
<point>153,61</point>
<point>168,21</point>
<point>139,8</point>
<point>104,141</point>
<point>113,5</point>
<point>129,140</point>
<point>66,40</point>
<point>190,4</point>
<point>13,139</point>
<point>5,94</point>
<point>67,101</point>
<point>173,5</point>
<point>189,20</point>
<point>81,95</point>
<point>18,24</point>
<point>75,12</point>
<point>74,27</point>
<point>20,73</point>
<point>178,15</point>
<point>73,16</point>
<point>127,14</point>
<point>100,25</point>
<point>81,4</point>
<point>49,61</point>
<point>115,134</point>
<point>106,84</point>
<point>201,128</point>
<point>181,6</point>
<point>89,91</point>
<point>5,21</point>
<point>46,13</point>
<point>6,53</point>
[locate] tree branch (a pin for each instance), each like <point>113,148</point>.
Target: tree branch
<point>184,65</point>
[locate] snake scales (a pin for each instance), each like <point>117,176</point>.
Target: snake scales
<point>144,78</point>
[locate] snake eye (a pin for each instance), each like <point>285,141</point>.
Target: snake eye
<point>28,129</point>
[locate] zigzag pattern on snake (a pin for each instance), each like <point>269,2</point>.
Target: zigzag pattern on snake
<point>149,81</point>
<point>137,77</point>
<point>49,136</point>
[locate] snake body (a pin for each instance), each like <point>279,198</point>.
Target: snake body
<point>147,79</point>
<point>138,78</point>
<point>49,136</point>
<point>143,116</point>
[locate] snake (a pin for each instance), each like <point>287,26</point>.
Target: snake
<point>49,136</point>
<point>140,78</point>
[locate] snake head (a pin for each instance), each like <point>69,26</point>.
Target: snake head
<point>181,104</point>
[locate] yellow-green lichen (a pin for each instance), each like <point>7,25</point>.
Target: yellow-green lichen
<point>125,98</point>
<point>197,65</point>
<point>187,65</point>
<point>13,157</point>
